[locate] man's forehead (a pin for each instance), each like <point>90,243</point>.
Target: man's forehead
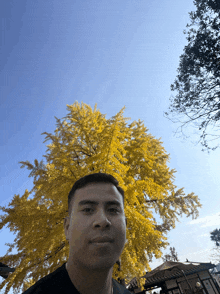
<point>94,187</point>
<point>97,202</point>
<point>100,192</point>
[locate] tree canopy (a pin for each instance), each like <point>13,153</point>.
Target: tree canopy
<point>215,236</point>
<point>172,256</point>
<point>197,84</point>
<point>86,142</point>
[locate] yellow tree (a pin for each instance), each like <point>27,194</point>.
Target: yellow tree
<point>85,142</point>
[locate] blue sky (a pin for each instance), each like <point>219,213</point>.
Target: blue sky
<point>115,54</point>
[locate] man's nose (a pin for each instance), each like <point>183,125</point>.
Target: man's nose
<point>101,219</point>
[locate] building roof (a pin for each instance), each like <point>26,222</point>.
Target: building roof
<point>5,270</point>
<point>170,270</point>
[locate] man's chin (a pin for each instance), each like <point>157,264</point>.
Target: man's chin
<point>101,265</point>
<point>95,263</point>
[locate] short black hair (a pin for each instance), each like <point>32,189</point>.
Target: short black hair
<point>93,178</point>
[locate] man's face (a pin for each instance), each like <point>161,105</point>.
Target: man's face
<point>89,221</point>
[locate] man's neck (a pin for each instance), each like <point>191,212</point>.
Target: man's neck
<point>91,283</point>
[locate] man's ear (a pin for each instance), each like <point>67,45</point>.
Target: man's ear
<point>66,226</point>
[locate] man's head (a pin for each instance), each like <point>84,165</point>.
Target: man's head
<point>104,216</point>
<point>92,178</point>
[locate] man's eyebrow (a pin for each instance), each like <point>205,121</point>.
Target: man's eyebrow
<point>84,202</point>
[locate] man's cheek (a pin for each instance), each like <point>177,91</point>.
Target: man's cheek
<point>76,235</point>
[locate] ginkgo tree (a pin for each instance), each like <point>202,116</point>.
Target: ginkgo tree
<point>85,142</point>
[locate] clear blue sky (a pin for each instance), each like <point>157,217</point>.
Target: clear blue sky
<point>115,54</point>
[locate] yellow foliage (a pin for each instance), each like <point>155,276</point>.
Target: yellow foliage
<point>84,143</point>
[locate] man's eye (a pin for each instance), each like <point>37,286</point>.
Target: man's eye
<point>116,210</point>
<point>86,209</point>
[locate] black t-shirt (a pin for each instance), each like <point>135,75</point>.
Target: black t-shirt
<point>58,282</point>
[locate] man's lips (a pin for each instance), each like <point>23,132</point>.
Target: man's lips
<point>104,239</point>
<point>101,244</point>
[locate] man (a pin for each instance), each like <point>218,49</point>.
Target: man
<point>96,231</point>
